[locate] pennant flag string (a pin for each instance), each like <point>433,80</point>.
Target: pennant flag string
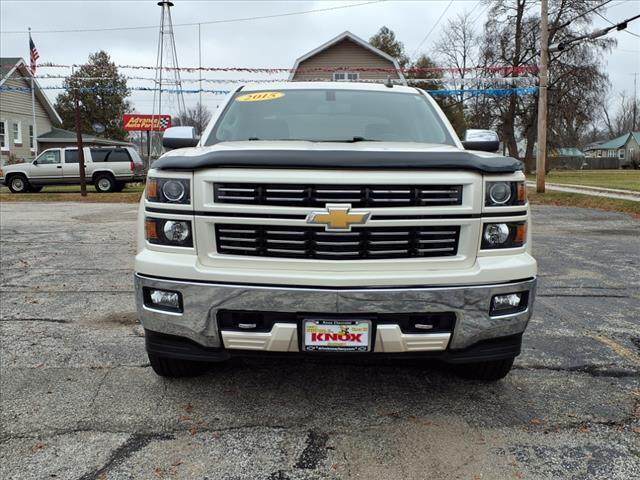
<point>505,70</point>
<point>454,80</point>
<point>458,92</point>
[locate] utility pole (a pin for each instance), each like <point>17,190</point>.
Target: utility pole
<point>635,101</point>
<point>543,73</point>
<point>83,181</point>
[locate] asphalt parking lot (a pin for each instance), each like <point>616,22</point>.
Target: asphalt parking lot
<point>79,400</point>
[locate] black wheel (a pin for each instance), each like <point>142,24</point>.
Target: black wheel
<point>104,183</point>
<point>174,368</point>
<point>35,189</point>
<point>487,371</point>
<point>19,184</point>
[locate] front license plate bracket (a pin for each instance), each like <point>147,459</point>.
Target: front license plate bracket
<point>354,335</point>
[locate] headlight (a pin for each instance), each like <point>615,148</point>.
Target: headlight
<point>504,235</point>
<point>168,190</point>
<point>160,231</point>
<point>500,194</point>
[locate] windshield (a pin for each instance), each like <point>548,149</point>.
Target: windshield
<point>330,115</point>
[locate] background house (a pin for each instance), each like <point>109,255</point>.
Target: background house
<point>625,149</point>
<point>16,118</point>
<point>58,137</point>
<point>340,59</point>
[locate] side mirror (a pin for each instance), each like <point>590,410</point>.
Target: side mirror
<point>179,137</point>
<point>483,140</point>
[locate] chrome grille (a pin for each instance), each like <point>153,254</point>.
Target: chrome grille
<point>313,242</point>
<point>297,195</point>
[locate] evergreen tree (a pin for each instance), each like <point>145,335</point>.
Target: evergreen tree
<point>103,96</point>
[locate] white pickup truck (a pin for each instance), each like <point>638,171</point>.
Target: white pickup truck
<point>109,169</point>
<point>326,219</point>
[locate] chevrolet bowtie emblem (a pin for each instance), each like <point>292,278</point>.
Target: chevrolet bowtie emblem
<point>338,217</point>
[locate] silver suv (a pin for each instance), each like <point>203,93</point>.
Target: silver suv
<point>109,169</point>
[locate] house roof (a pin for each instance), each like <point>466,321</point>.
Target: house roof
<point>58,135</point>
<point>347,35</point>
<point>570,152</point>
<point>8,65</point>
<point>615,143</point>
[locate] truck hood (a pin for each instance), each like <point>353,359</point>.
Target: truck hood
<point>305,154</point>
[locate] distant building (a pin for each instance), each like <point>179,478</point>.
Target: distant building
<point>626,148</point>
<point>58,137</point>
<point>16,117</point>
<point>566,152</point>
<point>346,58</point>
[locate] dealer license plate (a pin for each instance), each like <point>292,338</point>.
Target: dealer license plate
<point>322,335</point>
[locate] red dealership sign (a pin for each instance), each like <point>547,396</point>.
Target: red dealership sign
<point>136,122</point>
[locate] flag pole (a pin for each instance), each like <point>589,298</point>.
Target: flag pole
<point>33,103</point>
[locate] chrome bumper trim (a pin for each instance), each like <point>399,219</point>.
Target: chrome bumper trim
<point>202,301</point>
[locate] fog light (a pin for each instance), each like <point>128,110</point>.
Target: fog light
<point>508,303</point>
<point>496,233</point>
<point>176,231</point>
<point>164,299</point>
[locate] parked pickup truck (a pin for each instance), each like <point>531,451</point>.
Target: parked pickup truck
<point>108,168</point>
<point>321,219</point>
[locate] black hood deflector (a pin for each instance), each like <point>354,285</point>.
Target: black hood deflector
<point>456,160</point>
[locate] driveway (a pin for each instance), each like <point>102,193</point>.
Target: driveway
<point>79,400</point>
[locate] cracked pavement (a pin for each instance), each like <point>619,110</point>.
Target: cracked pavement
<point>79,400</point>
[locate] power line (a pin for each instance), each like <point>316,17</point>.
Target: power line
<point>432,29</point>
<point>593,35</point>
<point>192,24</point>
<point>581,15</point>
<point>611,23</point>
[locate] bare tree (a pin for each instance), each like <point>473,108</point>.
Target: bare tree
<point>197,116</point>
<point>618,116</point>
<point>577,75</point>
<point>457,47</point>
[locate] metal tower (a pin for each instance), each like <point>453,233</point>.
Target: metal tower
<point>167,76</point>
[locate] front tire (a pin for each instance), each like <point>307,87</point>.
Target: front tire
<point>490,371</point>
<point>104,184</point>
<point>19,184</point>
<point>174,368</point>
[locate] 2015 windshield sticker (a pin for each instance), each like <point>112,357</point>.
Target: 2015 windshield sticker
<point>259,96</point>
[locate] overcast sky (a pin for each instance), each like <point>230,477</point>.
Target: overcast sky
<point>274,42</point>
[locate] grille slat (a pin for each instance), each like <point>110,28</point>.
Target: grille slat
<point>301,195</point>
<point>360,244</point>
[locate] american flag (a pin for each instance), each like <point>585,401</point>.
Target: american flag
<point>33,51</point>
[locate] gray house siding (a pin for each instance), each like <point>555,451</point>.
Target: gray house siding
<point>15,108</point>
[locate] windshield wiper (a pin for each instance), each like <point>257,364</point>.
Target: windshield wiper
<point>355,139</point>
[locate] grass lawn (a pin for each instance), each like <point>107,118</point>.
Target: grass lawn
<point>566,199</point>
<point>71,193</point>
<point>620,179</point>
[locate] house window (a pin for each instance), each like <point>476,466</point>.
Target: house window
<point>31,137</point>
<point>621,153</point>
<point>346,76</point>
<point>4,143</point>
<point>17,133</point>
<point>611,153</point>
<point>599,153</point>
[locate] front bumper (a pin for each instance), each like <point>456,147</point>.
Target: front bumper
<point>202,301</point>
